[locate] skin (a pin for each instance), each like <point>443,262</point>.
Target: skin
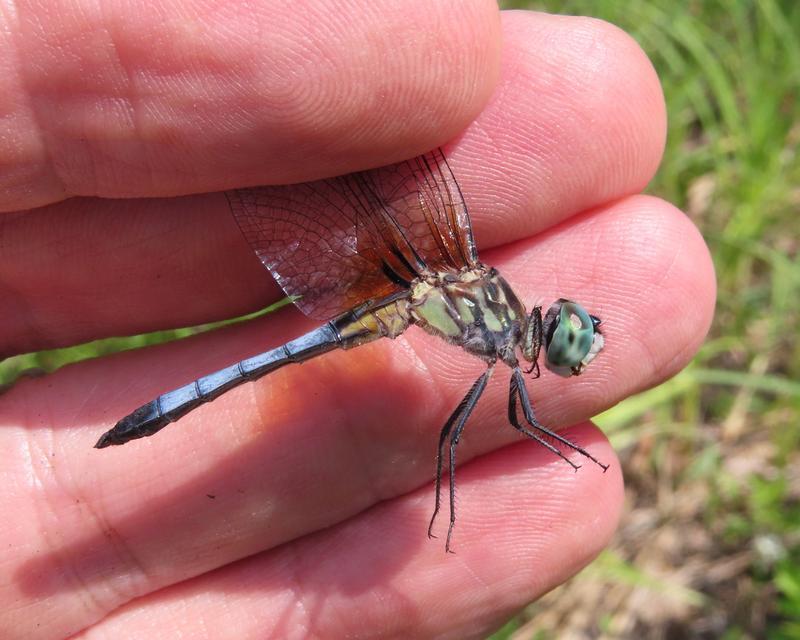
<point>297,506</point>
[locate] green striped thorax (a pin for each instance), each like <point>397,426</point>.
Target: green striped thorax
<point>571,338</point>
<point>474,308</point>
<point>477,310</point>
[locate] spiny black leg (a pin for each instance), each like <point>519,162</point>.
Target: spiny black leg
<point>535,337</point>
<point>469,404</point>
<point>445,432</point>
<point>439,451</point>
<point>512,418</point>
<point>518,386</point>
<point>459,418</point>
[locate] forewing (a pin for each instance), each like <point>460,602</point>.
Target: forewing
<point>336,244</point>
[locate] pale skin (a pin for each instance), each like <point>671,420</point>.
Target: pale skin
<point>297,506</point>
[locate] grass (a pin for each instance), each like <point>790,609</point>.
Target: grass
<point>710,543</point>
<point>34,364</point>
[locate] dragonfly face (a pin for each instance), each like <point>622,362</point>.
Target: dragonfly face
<point>572,338</point>
<point>370,254</point>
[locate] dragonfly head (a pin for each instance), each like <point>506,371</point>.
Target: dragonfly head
<point>572,338</point>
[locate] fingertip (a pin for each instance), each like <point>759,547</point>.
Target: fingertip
<point>578,120</point>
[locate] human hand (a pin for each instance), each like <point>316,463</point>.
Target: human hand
<point>298,505</point>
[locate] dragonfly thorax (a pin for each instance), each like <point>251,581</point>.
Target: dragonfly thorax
<point>474,308</point>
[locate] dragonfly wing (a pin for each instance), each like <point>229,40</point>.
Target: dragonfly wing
<point>338,243</point>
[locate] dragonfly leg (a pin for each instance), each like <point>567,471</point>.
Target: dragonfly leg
<point>518,389</point>
<point>533,341</point>
<point>458,419</point>
<point>445,432</point>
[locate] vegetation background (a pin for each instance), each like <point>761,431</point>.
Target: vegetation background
<point>710,543</point>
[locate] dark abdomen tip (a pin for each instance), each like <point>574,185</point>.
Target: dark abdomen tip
<point>145,421</point>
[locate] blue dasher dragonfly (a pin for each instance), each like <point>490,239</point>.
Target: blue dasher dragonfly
<point>371,253</point>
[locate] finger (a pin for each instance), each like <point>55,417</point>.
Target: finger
<point>92,268</point>
<point>525,525</point>
<point>307,447</point>
<point>87,269</point>
<point>578,120</point>
<point>197,97</point>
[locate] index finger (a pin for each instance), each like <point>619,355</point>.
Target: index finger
<point>200,97</point>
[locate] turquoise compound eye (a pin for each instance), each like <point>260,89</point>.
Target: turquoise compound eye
<point>572,339</point>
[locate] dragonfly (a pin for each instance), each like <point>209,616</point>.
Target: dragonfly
<point>369,254</point>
